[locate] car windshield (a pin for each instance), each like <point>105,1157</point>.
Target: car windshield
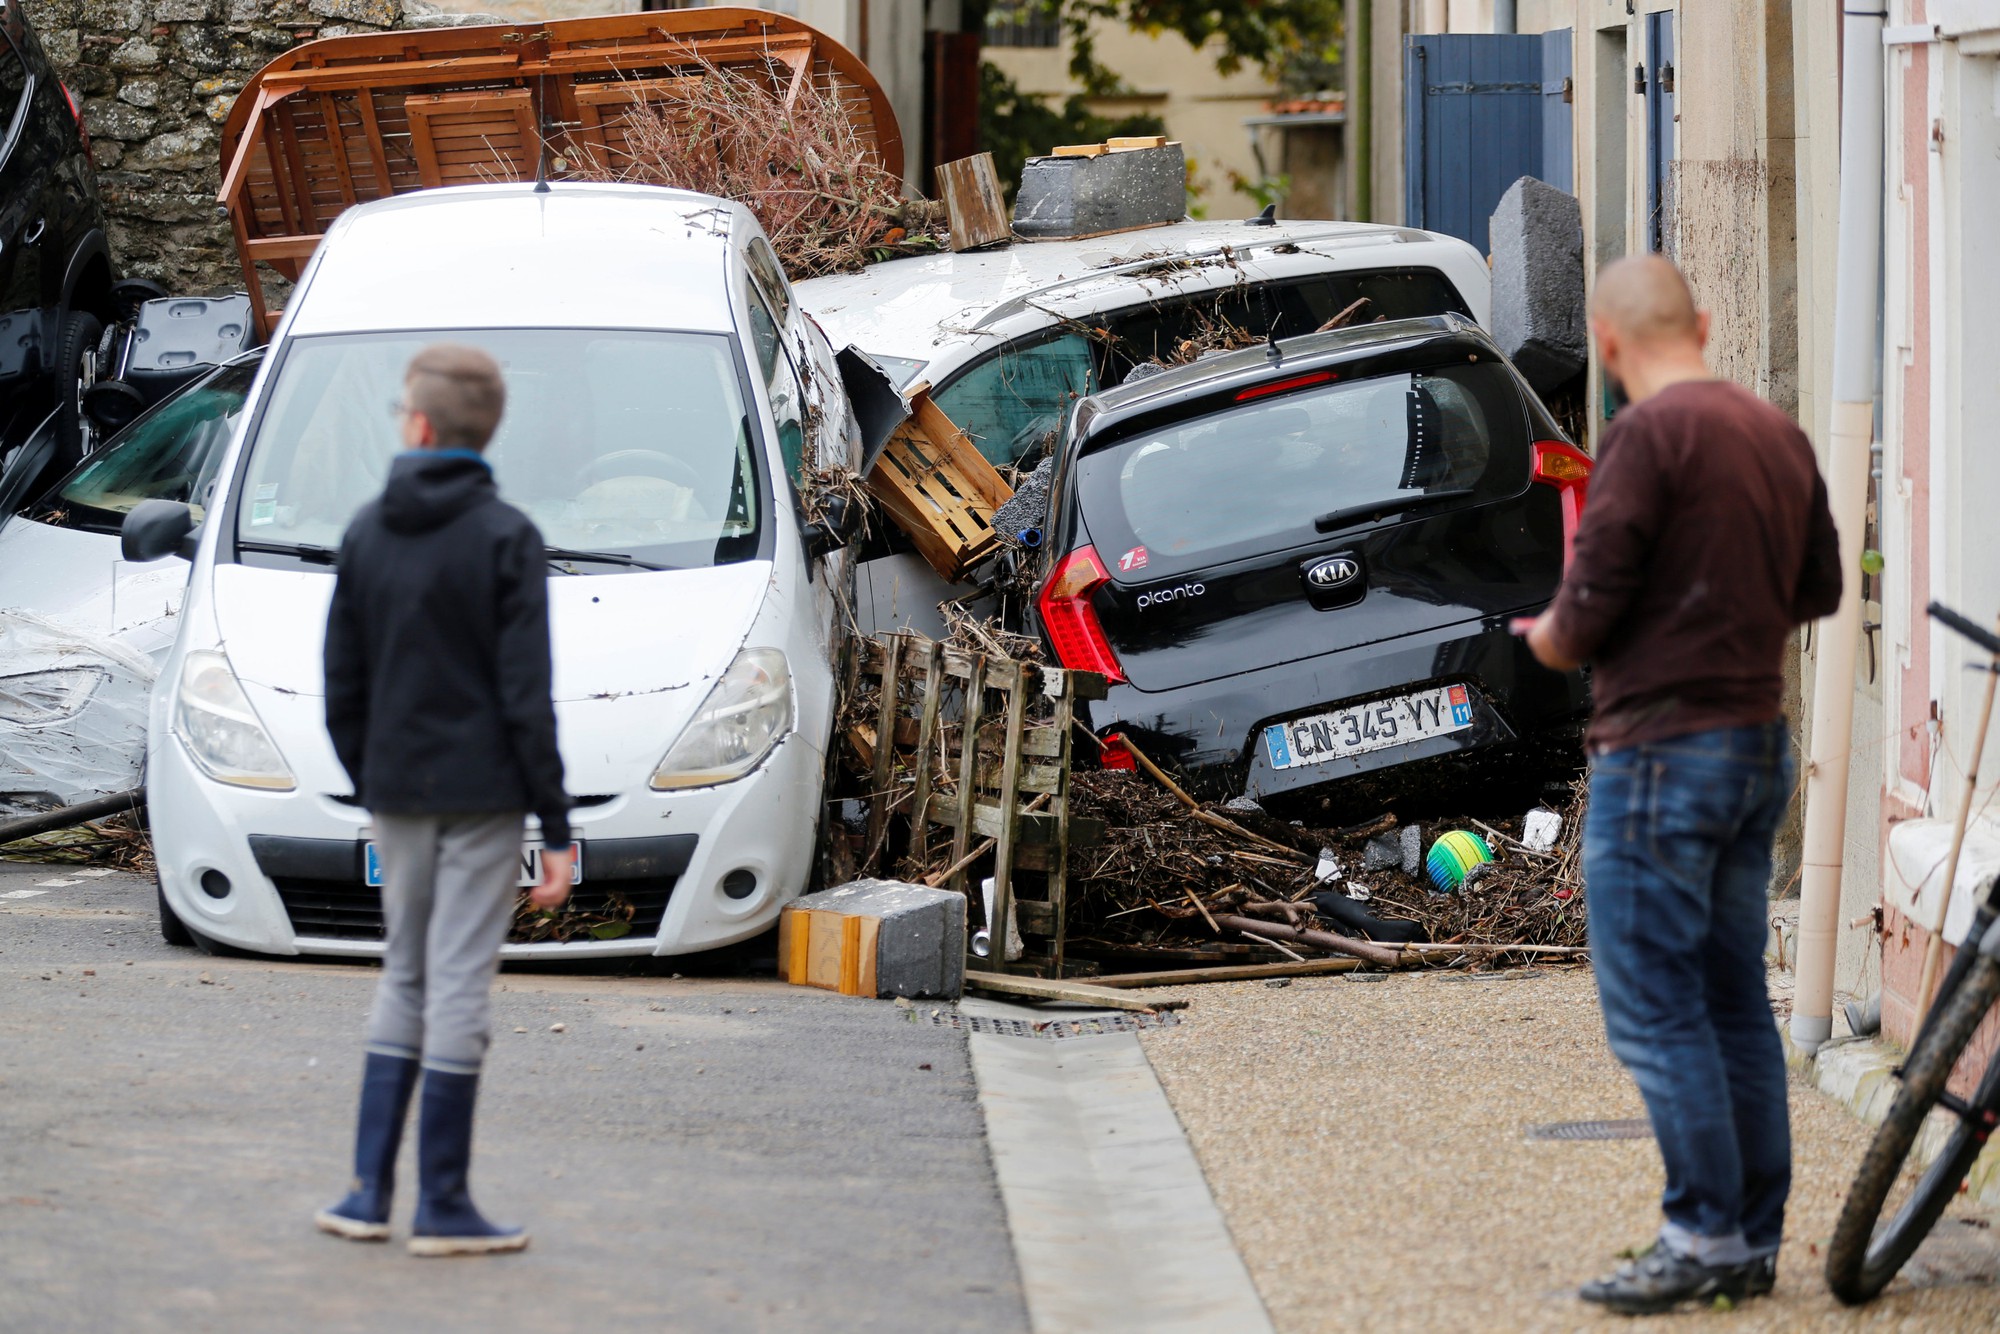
<point>630,443</point>
<point>171,453</point>
<point>1259,476</point>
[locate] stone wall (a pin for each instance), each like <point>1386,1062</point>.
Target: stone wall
<point>155,80</point>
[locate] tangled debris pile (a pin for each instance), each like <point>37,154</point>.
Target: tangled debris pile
<point>1167,871</point>
<point>793,155</point>
<point>119,843</point>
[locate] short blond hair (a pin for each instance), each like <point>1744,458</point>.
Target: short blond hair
<point>460,390</point>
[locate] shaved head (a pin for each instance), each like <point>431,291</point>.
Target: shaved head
<point>1645,300</point>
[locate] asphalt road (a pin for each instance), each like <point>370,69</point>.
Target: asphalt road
<point>698,1154</point>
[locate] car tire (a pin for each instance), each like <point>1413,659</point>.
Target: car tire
<point>172,929</point>
<point>76,371</point>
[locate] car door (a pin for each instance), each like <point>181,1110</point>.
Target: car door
<point>23,218</point>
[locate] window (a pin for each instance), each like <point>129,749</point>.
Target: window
<point>781,382</point>
<point>633,443</point>
<point>1013,401</point>
<point>1253,478</point>
<point>172,453</point>
<point>1023,23</point>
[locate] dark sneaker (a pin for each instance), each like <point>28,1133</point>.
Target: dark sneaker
<point>1763,1276</point>
<point>1658,1280</point>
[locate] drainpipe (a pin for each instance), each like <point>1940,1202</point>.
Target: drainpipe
<point>1503,16</point>
<point>1853,427</point>
<point>1361,108</point>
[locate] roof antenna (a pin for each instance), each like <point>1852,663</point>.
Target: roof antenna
<point>1270,324</point>
<point>541,136</point>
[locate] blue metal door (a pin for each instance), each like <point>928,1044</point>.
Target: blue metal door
<point>1480,112</point>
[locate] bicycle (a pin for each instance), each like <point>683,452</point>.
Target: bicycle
<point>1862,1258</point>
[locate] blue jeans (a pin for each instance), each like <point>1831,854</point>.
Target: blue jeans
<point>1677,865</point>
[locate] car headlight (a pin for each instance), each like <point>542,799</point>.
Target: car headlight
<point>32,699</point>
<point>745,715</point>
<point>220,729</point>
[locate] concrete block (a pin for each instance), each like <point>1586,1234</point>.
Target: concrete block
<point>1086,196</point>
<point>875,938</point>
<point>1538,312</point>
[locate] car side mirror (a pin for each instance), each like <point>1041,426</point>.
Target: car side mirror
<point>839,518</point>
<point>156,528</point>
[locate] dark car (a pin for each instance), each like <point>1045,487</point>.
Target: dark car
<point>1297,564</point>
<point>55,263</point>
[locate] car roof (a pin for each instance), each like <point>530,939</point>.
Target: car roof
<point>508,256</point>
<point>915,306</point>
<point>1217,374</point>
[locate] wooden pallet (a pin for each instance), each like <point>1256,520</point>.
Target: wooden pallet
<point>1008,786</point>
<point>939,488</point>
<point>346,120</point>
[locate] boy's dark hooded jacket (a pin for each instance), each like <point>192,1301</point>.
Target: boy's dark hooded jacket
<point>437,650</point>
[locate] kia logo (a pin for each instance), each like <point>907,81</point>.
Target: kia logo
<point>1333,572</point>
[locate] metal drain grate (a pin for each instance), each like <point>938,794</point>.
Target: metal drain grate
<point>1574,1130</point>
<point>1096,1026</point>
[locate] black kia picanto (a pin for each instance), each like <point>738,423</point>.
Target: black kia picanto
<point>1297,564</point>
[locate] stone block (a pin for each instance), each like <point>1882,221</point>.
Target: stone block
<point>135,54</point>
<point>202,47</point>
<point>176,150</point>
<point>217,108</point>
<point>875,938</point>
<point>381,13</point>
<point>113,16</point>
<point>1538,314</point>
<point>114,120</point>
<point>227,83</point>
<point>1083,196</point>
<point>140,93</point>
<point>183,11</point>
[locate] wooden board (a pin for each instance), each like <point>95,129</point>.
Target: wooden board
<point>972,202</point>
<point>829,950</point>
<point>474,138</point>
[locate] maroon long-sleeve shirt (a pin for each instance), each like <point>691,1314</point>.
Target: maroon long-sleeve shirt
<point>1705,540</point>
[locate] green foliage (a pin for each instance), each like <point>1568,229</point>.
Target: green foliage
<point>1015,125</point>
<point>1269,33</point>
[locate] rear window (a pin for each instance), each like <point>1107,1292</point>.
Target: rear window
<point>1254,478</point>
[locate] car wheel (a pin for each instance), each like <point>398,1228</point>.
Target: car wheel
<point>76,371</point>
<point>172,929</point>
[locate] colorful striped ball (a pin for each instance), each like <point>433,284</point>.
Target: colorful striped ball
<point>1452,856</point>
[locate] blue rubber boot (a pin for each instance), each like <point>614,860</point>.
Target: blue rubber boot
<point>447,1223</point>
<point>386,1084</point>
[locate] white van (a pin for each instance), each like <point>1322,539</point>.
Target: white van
<point>666,397</point>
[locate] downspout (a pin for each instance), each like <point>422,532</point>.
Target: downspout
<point>1503,16</point>
<point>1361,114</point>
<point>1856,292</point>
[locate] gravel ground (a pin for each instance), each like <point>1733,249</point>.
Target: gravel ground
<point>1364,1139</point>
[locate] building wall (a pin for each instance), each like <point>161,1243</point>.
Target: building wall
<point>1202,107</point>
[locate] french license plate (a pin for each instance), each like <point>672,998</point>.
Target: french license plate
<point>531,866</point>
<point>1360,728</point>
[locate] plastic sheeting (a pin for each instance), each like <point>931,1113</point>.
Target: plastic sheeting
<point>92,743</point>
<point>1918,851</point>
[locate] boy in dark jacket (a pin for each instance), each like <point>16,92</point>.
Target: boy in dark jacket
<point>437,699</point>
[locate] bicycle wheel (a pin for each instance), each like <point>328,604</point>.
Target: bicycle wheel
<point>1862,1258</point>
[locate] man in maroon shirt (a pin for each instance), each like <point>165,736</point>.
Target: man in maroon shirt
<point>1706,541</point>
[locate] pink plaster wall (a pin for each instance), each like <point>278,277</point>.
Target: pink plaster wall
<point>1913,126</point>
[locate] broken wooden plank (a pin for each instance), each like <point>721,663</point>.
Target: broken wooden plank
<point>973,204</point>
<point>1080,150</point>
<point>1080,993</point>
<point>1240,972</point>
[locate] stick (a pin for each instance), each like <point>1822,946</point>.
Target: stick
<point>1509,838</point>
<point>1039,988</point>
<point>1203,909</point>
<point>1277,945</point>
<point>1234,972</point>
<point>938,878</point>
<point>1934,947</point>
<point>1325,940</point>
<point>1565,951</point>
<point>1207,817</point>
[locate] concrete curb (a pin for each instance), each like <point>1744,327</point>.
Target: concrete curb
<point>1859,1074</point>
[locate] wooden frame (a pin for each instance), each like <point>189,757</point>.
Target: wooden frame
<point>939,488</point>
<point>347,120</point>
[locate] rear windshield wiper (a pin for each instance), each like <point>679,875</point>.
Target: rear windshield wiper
<point>556,554</point>
<point>1376,509</point>
<point>305,551</point>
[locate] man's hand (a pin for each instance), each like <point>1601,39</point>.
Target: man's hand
<point>1542,643</point>
<point>553,891</point>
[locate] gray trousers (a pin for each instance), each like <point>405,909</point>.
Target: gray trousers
<point>448,897</point>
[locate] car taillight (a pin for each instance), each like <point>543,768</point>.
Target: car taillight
<point>1567,469</point>
<point>76,114</point>
<point>1071,622</point>
<point>1285,386</point>
<point>1117,755</point>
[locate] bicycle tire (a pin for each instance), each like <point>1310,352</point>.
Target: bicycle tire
<point>1860,1259</point>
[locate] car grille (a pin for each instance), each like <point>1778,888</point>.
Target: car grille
<point>337,910</point>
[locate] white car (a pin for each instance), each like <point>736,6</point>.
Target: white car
<point>665,398</point>
<point>82,632</point>
<point>1007,339</point>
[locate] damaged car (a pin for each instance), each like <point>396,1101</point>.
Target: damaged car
<point>82,632</point>
<point>1298,564</point>
<point>667,406</point>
